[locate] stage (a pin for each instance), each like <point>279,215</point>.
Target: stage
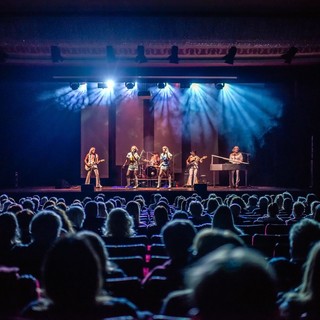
<point>79,192</point>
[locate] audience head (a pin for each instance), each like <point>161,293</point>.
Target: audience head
<point>287,204</point>
<point>298,209</point>
<point>316,215</point>
<point>161,215</point>
<point>45,226</point>
<point>303,235</point>
<point>8,228</point>
<point>311,277</point>
<point>263,203</point>
<point>195,208</point>
<point>236,210</point>
<point>76,215</point>
<point>97,245</point>
<point>233,283</point>
<point>239,201</point>
<point>212,205</point>
<point>133,208</point>
<point>208,240</point>
<point>119,223</point>
<point>252,201</point>
<point>273,210</point>
<point>91,210</point>
<point>223,219</point>
<point>180,214</point>
<point>178,237</point>
<point>72,274</point>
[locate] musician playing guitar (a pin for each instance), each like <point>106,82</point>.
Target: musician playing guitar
<point>193,166</point>
<point>91,162</point>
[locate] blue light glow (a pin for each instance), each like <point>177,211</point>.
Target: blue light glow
<point>248,112</point>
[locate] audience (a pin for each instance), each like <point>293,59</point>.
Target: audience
<point>29,234</point>
<point>73,289</point>
<point>9,237</point>
<point>297,213</point>
<point>305,299</point>
<point>198,217</point>
<point>223,219</point>
<point>45,228</point>
<point>271,216</point>
<point>119,224</point>
<point>24,218</point>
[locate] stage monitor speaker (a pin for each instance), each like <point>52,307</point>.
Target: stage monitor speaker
<point>62,184</point>
<point>87,188</point>
<point>200,187</point>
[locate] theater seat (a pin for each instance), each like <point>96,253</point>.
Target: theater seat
<point>118,287</point>
<point>126,250</point>
<point>131,265</point>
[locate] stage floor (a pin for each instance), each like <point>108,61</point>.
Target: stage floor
<point>76,192</point>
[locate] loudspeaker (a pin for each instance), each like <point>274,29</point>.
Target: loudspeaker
<point>200,187</point>
<point>62,184</point>
<point>87,188</point>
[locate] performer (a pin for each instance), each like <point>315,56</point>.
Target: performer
<point>132,159</point>
<point>235,157</point>
<point>155,160</point>
<point>91,162</point>
<point>165,158</point>
<point>193,166</point>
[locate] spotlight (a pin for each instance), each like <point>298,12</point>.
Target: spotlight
<point>56,54</point>
<point>140,58</point>
<point>173,58</point>
<point>289,55</point>
<point>219,86</point>
<point>102,85</point>
<point>161,85</point>
<point>229,57</point>
<point>111,57</point>
<point>74,85</point>
<point>129,85</point>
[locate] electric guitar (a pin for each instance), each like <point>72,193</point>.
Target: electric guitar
<point>193,161</point>
<point>88,167</point>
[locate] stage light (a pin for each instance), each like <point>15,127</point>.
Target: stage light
<point>110,55</point>
<point>110,84</point>
<point>102,85</point>
<point>106,85</point>
<point>130,85</point>
<point>74,85</point>
<point>140,58</point>
<point>161,85</point>
<point>229,57</point>
<point>173,58</point>
<point>194,86</point>
<point>289,55</point>
<point>56,54</point>
<point>219,85</point>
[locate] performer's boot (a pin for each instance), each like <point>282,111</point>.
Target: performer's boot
<point>98,184</point>
<point>135,182</point>
<point>169,179</point>
<point>159,182</point>
<point>128,183</point>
